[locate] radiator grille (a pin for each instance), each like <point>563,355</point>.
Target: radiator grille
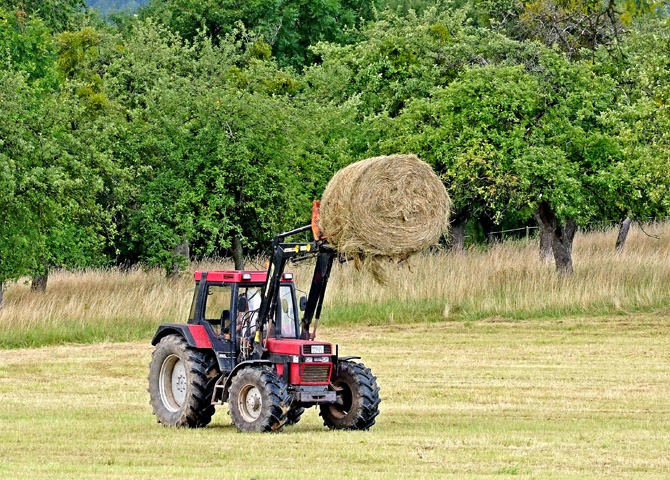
<point>316,373</point>
<point>307,349</point>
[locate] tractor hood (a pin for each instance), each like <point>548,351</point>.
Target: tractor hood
<point>292,346</point>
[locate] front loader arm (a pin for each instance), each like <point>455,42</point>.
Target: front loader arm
<point>317,291</point>
<point>281,253</point>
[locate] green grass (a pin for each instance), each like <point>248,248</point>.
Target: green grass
<point>115,330</point>
<point>571,398</point>
<point>504,281</point>
<point>390,313</point>
<point>413,311</point>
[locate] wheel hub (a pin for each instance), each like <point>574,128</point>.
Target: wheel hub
<point>344,401</point>
<point>250,403</point>
<point>173,383</point>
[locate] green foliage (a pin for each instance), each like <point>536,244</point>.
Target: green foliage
<point>57,15</point>
<point>289,27</point>
<point>210,133</point>
<point>190,123</point>
<point>26,45</point>
<point>642,121</point>
<point>51,171</point>
<point>18,230</point>
<point>48,184</point>
<point>506,123</point>
<point>576,27</point>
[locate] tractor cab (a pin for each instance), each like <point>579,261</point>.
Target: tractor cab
<point>229,302</point>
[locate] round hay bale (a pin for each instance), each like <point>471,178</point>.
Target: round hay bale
<point>384,208</point>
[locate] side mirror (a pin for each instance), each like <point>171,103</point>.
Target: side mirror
<point>303,303</point>
<point>242,304</point>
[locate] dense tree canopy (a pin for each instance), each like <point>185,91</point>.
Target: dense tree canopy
<point>289,27</point>
<point>203,128</point>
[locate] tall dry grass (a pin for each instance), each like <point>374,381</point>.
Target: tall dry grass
<point>509,279</point>
<point>506,280</point>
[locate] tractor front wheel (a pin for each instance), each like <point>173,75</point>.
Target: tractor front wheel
<point>259,400</point>
<point>357,403</point>
<point>181,382</point>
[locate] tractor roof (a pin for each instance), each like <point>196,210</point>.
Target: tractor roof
<point>239,276</point>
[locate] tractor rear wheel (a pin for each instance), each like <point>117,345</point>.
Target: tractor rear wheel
<point>181,382</point>
<point>357,403</point>
<point>259,400</point>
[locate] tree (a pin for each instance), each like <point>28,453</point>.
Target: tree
<point>642,119</point>
<point>624,227</point>
<point>577,27</point>
<point>54,167</point>
<point>572,26</point>
<point>400,59</point>
<point>288,27</point>
<point>58,15</point>
<point>27,46</point>
<point>514,128</point>
<point>19,229</point>
<point>30,186</point>
<point>215,141</point>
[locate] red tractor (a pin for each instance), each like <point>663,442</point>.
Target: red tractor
<point>244,344</point>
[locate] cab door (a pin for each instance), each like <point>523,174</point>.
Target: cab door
<point>217,311</point>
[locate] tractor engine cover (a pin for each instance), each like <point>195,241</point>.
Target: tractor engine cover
<point>308,362</point>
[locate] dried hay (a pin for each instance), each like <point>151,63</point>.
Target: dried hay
<point>384,209</point>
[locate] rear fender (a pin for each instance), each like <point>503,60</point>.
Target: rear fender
<point>195,335</point>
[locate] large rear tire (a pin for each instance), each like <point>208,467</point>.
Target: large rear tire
<point>181,383</point>
<point>259,400</point>
<point>358,399</point>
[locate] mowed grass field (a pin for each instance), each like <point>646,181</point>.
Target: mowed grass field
<point>572,397</point>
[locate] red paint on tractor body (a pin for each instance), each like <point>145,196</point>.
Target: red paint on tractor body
<point>236,276</point>
<point>200,336</point>
<point>296,370</point>
<point>291,346</point>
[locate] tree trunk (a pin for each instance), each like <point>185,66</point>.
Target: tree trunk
<point>623,234</point>
<point>457,232</point>
<point>562,246</point>
<point>39,283</point>
<point>238,253</point>
<point>182,250</point>
<point>562,238</point>
<point>487,227</point>
<point>545,237</point>
<point>2,294</point>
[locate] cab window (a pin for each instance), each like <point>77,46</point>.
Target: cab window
<point>217,308</point>
<point>247,310</point>
<point>287,318</point>
<point>191,314</point>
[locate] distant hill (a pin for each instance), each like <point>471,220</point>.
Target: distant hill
<point>105,7</point>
